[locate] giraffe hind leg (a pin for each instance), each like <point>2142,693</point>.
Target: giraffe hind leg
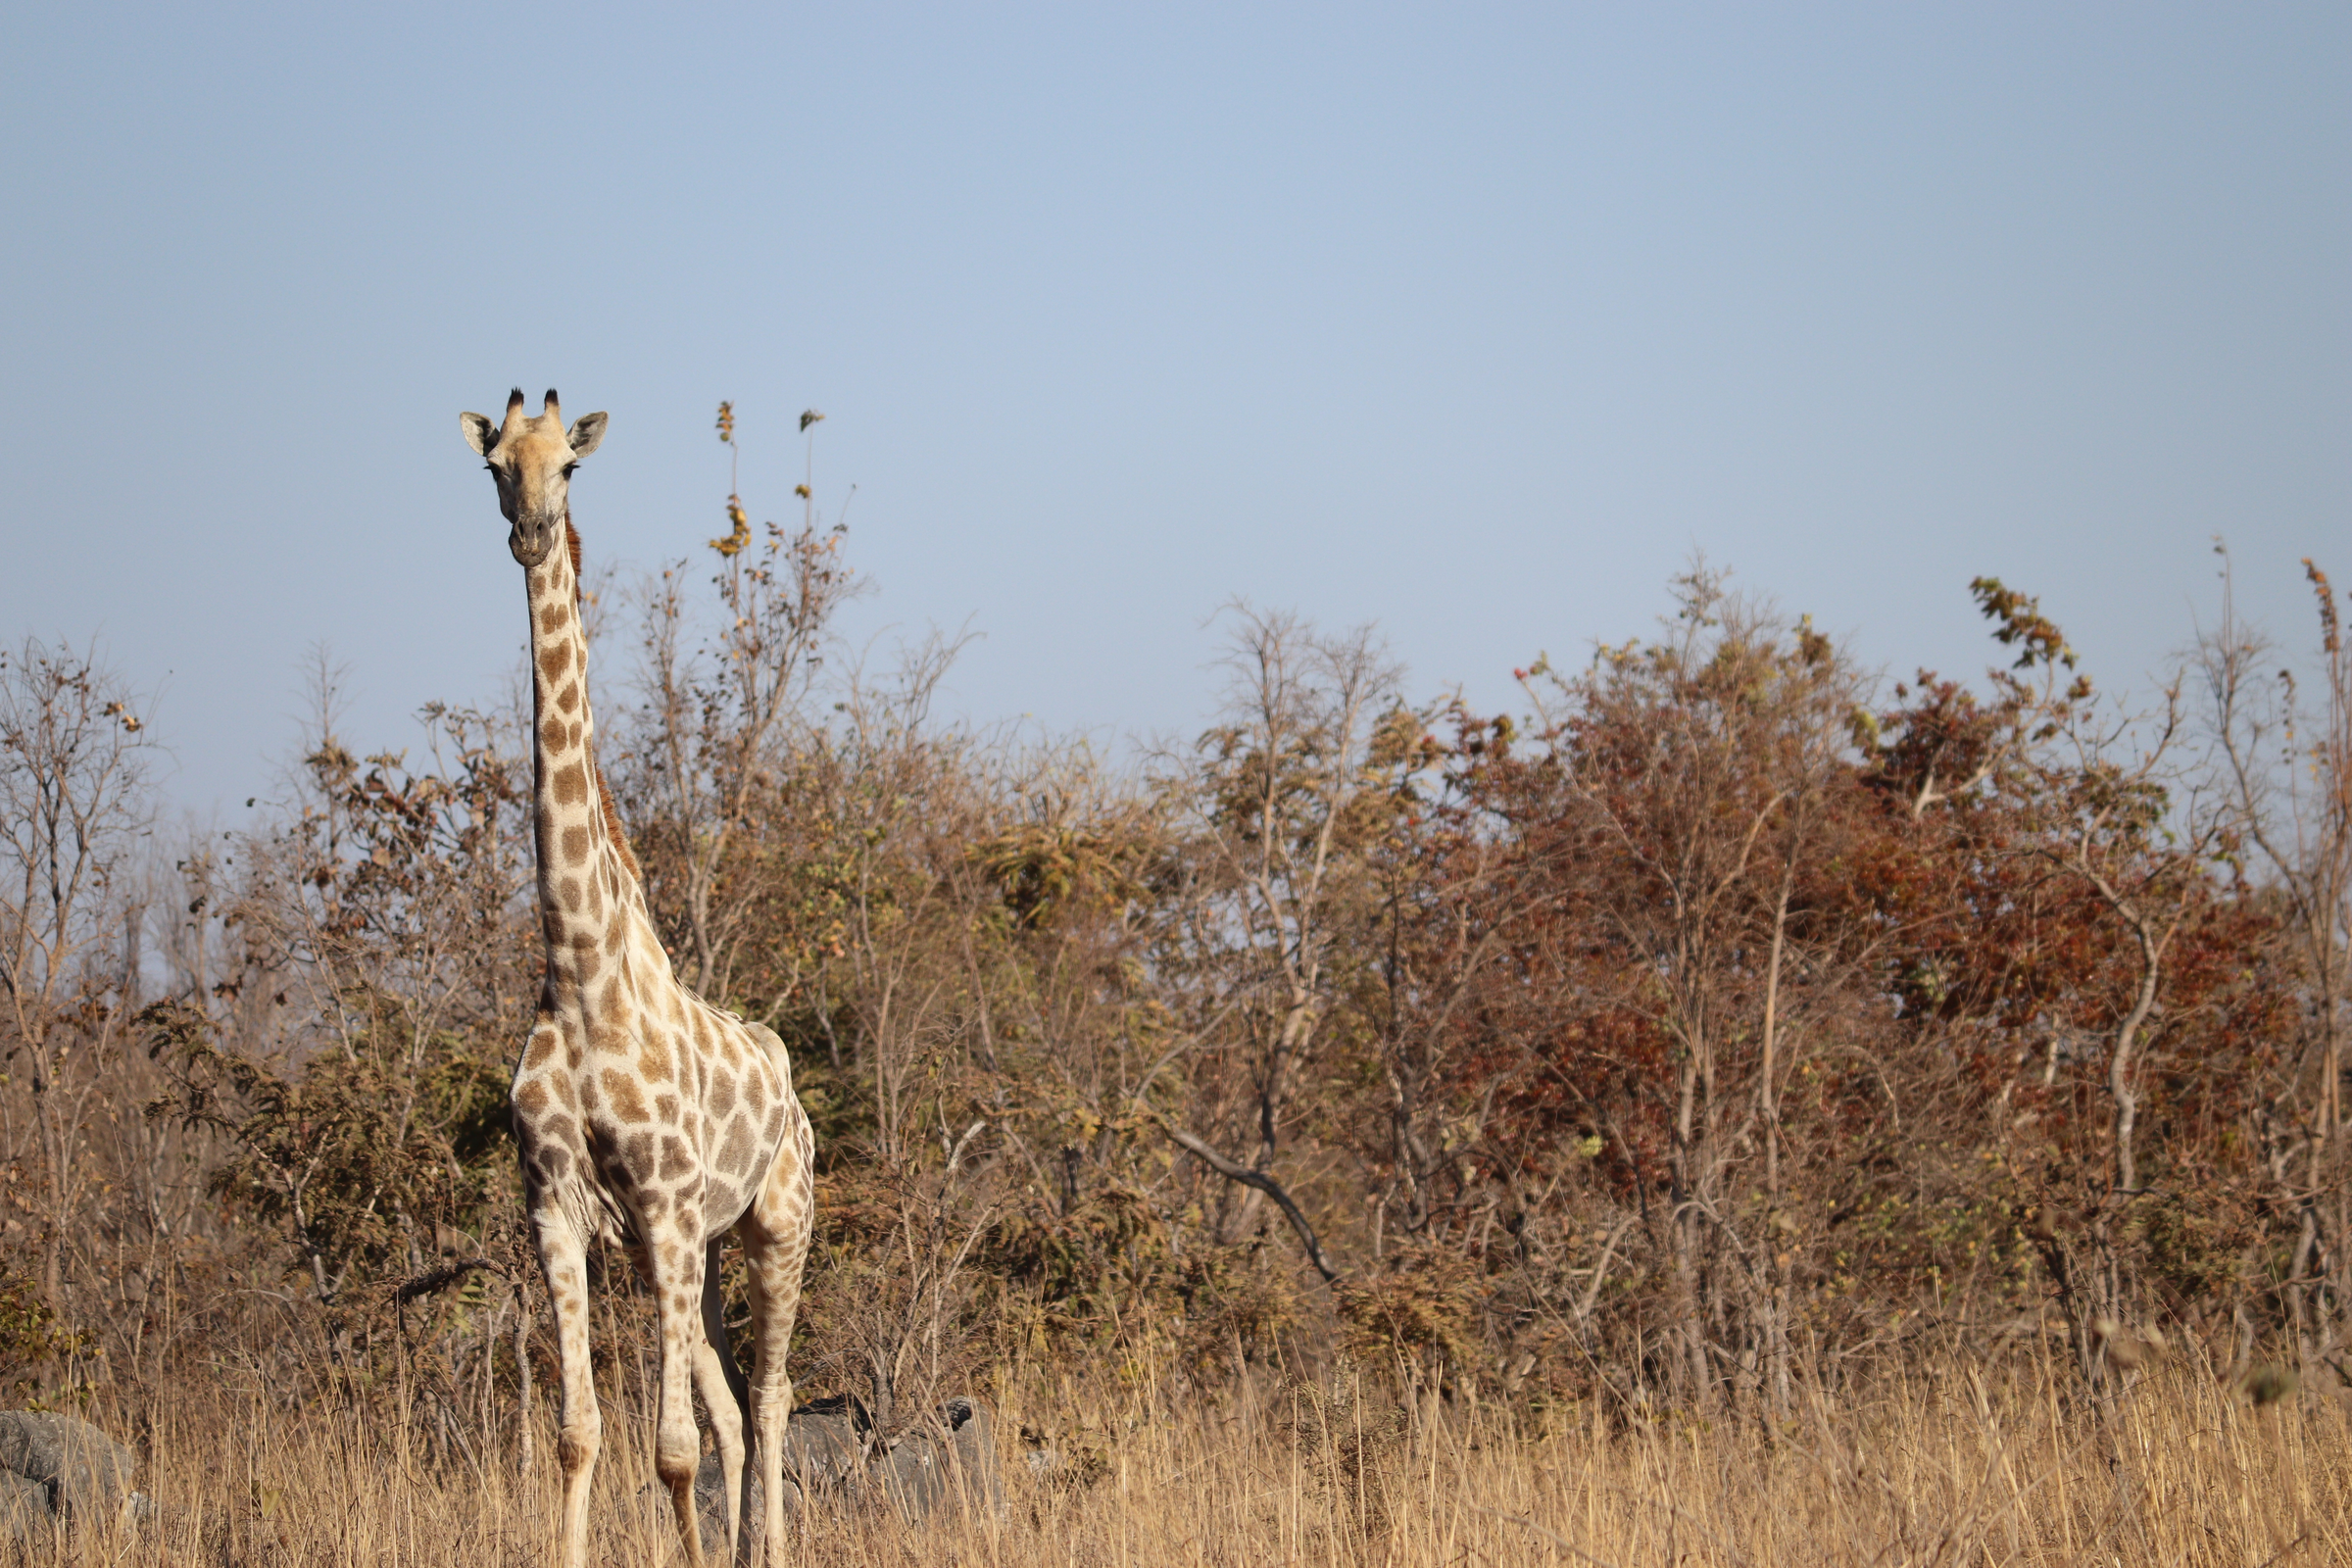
<point>726,1396</point>
<point>775,1242</point>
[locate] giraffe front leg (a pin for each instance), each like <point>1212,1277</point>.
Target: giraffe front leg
<point>563,1260</point>
<point>726,1396</point>
<point>677,1265</point>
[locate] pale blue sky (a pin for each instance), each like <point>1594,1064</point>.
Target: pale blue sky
<point>1471,320</point>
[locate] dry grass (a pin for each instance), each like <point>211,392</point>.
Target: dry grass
<point>1967,1467</point>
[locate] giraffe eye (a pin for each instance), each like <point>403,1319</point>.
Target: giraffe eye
<point>568,467</point>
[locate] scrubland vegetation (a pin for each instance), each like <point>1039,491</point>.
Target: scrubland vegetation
<point>1956,1463</point>
<point>1734,1108</point>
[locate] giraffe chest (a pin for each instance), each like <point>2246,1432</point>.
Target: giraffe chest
<point>668,1119</point>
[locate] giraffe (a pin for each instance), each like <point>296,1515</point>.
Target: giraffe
<point>643,1114</point>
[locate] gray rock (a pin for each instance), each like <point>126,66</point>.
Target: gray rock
<point>84,1473</point>
<point>829,1448</point>
<point>824,1450</point>
<point>928,1467</point>
<point>25,1515</point>
<point>827,1443</point>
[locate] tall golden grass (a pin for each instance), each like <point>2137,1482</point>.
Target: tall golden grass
<point>1972,1466</point>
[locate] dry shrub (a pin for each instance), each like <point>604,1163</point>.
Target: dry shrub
<point>34,1343</point>
<point>1420,1314</point>
<point>1728,1028</point>
<point>891,1310</point>
<point>1235,1307</point>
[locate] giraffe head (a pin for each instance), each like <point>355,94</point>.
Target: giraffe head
<point>532,458</point>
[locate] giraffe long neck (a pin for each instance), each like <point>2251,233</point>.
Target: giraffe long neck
<point>588,881</point>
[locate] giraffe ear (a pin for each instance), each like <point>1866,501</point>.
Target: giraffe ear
<point>586,431</point>
<point>480,433</point>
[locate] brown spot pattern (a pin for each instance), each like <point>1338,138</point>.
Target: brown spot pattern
<point>735,1156</point>
<point>621,1090</point>
<point>653,1060</point>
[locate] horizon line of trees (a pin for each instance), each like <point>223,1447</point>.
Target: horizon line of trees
<point>1726,1020</point>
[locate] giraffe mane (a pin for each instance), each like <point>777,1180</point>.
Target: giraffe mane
<point>614,829</point>
<point>611,812</point>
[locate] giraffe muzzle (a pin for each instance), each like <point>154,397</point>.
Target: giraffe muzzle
<point>533,537</point>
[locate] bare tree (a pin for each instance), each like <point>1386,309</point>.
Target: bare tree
<point>73,800</point>
<point>712,747</point>
<point>2285,755</point>
<point>1275,792</point>
<point>1694,772</point>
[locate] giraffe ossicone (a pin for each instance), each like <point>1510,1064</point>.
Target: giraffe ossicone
<point>644,1114</point>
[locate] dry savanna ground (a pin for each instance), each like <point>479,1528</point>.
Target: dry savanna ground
<point>1973,1465</point>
